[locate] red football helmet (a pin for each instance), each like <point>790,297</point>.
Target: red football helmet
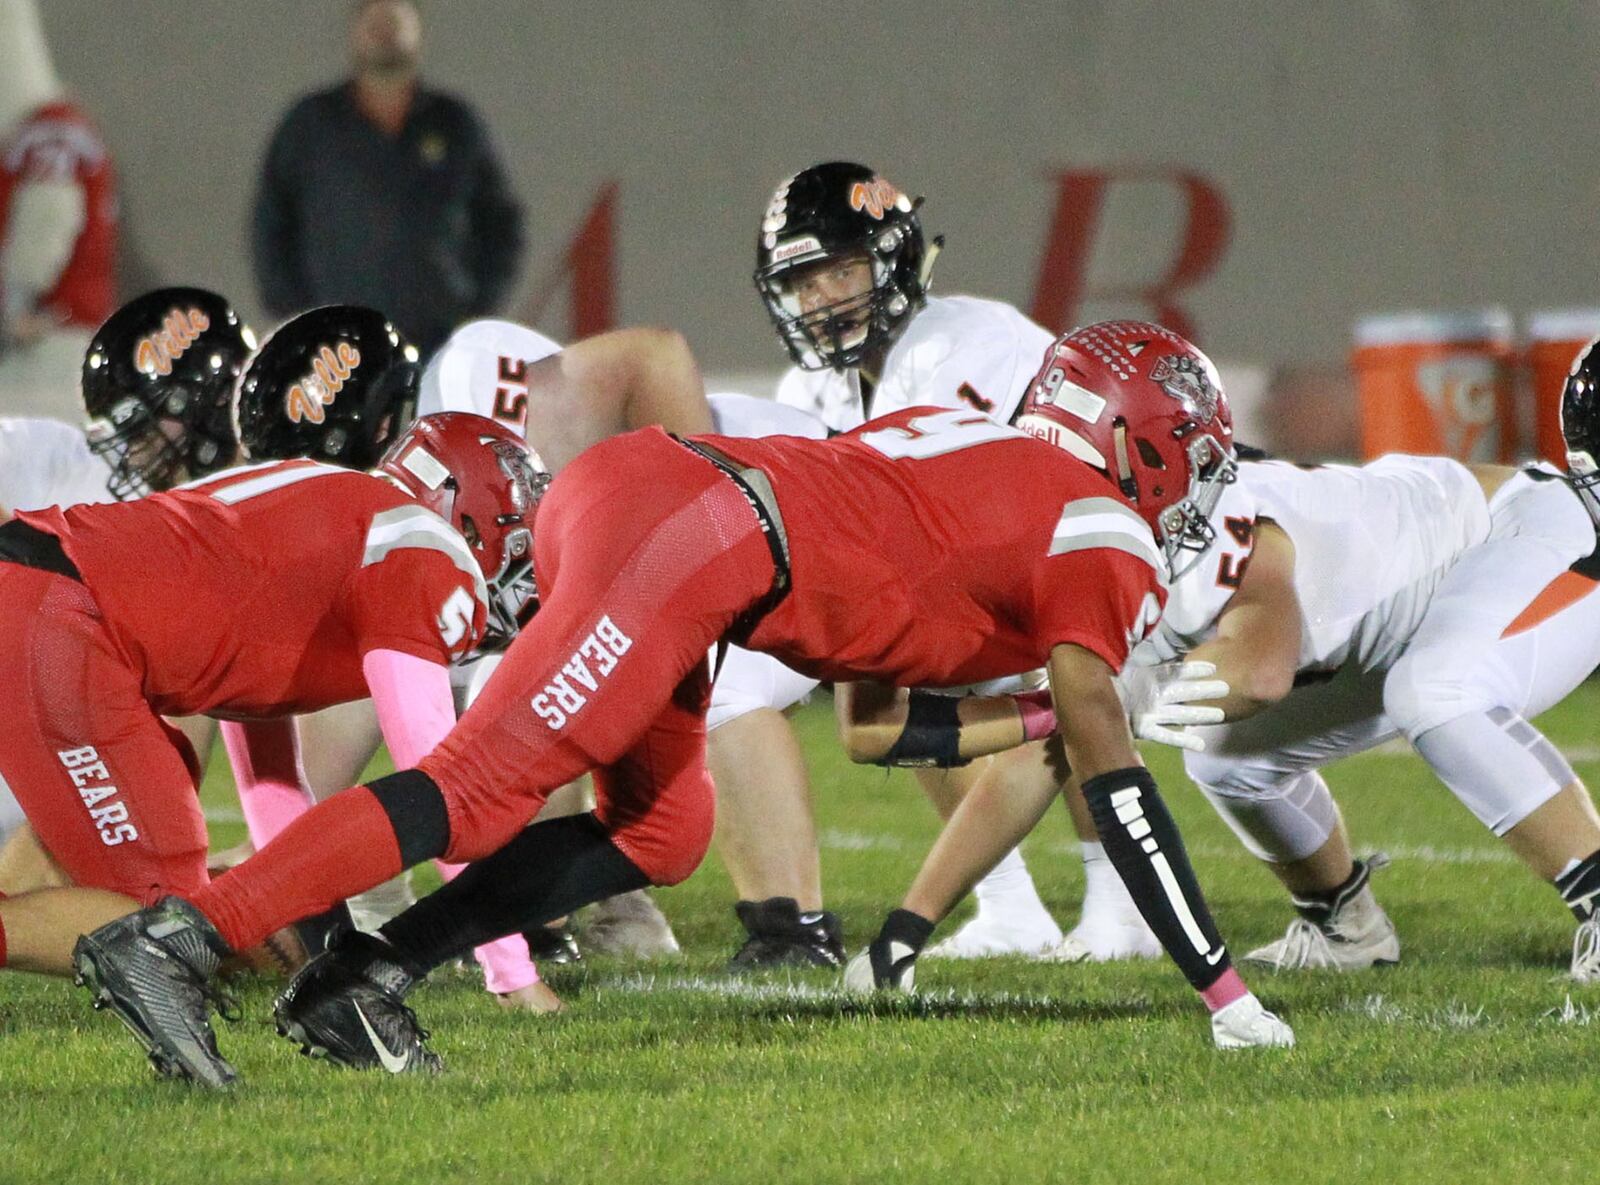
<point>484,480</point>
<point>1145,407</point>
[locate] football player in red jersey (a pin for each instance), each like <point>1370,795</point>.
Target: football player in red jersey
<point>250,594</point>
<point>648,550</point>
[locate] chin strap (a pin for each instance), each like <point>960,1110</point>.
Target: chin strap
<point>929,258</point>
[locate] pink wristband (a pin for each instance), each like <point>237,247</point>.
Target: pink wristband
<point>1038,714</point>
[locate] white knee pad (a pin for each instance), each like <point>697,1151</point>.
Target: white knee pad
<point>1501,767</point>
<point>1278,819</point>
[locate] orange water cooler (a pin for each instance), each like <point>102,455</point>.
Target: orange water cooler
<point>1441,383</point>
<point>1554,338</point>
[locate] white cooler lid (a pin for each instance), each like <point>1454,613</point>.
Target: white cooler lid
<point>1564,325</point>
<point>1421,326</point>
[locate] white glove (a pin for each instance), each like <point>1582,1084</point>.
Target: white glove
<point>1161,701</point>
<point>1245,1024</point>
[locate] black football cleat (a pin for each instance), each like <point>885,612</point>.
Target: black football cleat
<point>348,1005</point>
<point>779,935</point>
<point>553,946</point>
<point>154,970</point>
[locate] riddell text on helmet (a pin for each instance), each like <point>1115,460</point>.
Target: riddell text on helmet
<point>563,697</point>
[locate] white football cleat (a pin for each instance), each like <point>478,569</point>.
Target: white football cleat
<point>1586,951</point>
<point>629,924</point>
<point>1351,934</point>
<point>990,935</point>
<point>1103,940</point>
<point>1245,1024</point>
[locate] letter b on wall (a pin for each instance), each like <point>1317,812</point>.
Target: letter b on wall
<point>1078,221</point>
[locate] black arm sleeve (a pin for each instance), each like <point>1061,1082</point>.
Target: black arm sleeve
<point>1142,841</point>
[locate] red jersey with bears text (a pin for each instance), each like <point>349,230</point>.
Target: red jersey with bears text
<point>936,548</point>
<point>257,592</point>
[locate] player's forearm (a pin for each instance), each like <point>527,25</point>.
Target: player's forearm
<point>1140,837</point>
<point>892,726</point>
<point>1093,722</point>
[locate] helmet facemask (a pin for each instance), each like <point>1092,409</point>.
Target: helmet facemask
<point>150,450</point>
<point>1584,477</point>
<point>840,335</point>
<point>1185,529</point>
<point>513,593</point>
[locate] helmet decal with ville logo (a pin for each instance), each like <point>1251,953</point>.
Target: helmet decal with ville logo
<point>331,368</point>
<point>180,328</point>
<point>337,384</point>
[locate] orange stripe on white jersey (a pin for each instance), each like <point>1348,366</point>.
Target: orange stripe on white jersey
<point>1564,591</point>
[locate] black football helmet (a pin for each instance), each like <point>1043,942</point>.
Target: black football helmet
<point>157,385</point>
<point>828,212</point>
<point>337,384</point>
<point>1580,426</point>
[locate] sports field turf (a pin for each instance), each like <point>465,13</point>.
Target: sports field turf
<point>1470,1061</point>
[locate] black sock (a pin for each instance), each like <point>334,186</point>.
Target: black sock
<point>546,872</point>
<point>1580,888</point>
<point>1143,845</point>
<point>1320,908</point>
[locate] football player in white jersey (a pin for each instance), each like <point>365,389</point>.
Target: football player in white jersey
<point>1509,631</point>
<point>842,268</point>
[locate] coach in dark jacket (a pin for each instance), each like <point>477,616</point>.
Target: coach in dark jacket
<point>384,193</point>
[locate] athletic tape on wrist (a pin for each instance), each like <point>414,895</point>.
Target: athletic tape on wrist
<point>932,734</point>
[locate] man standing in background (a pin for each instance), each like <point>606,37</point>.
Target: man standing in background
<point>58,227</point>
<point>382,192</point>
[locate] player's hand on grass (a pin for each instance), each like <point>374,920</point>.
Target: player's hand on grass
<point>1246,1024</point>
<point>536,997</point>
<point>1165,700</point>
<point>889,963</point>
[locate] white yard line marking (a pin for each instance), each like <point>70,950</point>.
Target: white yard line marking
<point>839,840</point>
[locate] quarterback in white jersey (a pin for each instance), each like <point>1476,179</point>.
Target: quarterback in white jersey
<point>842,268</point>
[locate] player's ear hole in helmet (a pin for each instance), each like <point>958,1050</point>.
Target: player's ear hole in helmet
<point>157,384</point>
<point>1145,407</point>
<point>1580,427</point>
<point>336,384</point>
<point>484,480</point>
<point>841,264</point>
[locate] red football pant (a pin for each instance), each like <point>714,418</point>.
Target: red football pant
<point>645,554</point>
<point>107,785</point>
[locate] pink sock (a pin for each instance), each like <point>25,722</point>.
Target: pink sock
<point>507,966</point>
<point>268,808</point>
<point>1227,988</point>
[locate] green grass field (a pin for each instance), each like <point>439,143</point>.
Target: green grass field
<point>1472,1060</point>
